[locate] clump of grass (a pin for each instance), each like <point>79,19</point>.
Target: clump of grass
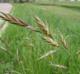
<point>44,30</point>
<point>47,36</point>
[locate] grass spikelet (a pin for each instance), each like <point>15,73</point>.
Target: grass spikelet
<point>58,66</point>
<point>51,41</point>
<point>42,26</point>
<point>63,41</point>
<point>16,21</point>
<point>47,54</point>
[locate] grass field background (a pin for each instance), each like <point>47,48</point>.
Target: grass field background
<point>64,2</point>
<point>25,47</point>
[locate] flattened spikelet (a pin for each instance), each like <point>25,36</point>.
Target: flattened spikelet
<point>42,26</point>
<point>51,41</point>
<point>47,54</point>
<point>63,41</point>
<point>16,21</point>
<point>58,66</point>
